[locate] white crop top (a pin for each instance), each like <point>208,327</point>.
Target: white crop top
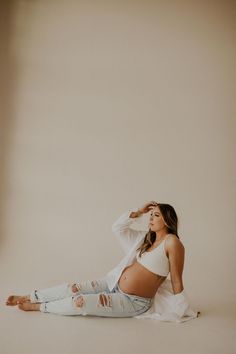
<point>156,260</point>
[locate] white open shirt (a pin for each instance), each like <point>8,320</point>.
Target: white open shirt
<point>166,305</point>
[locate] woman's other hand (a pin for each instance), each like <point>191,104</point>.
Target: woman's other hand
<point>147,207</point>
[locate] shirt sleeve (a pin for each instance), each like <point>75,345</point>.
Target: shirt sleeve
<point>123,231</point>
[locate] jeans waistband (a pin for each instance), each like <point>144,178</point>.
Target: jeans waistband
<point>148,299</point>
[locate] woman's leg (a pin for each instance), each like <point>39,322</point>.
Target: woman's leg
<point>66,290</point>
<point>105,304</point>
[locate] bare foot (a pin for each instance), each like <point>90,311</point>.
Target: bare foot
<point>15,300</point>
<point>27,306</point>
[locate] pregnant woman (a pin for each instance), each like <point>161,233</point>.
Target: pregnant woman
<point>129,289</point>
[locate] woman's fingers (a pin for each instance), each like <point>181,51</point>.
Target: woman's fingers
<point>148,206</point>
<point>152,205</point>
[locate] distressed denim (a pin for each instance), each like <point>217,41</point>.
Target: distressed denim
<point>91,298</point>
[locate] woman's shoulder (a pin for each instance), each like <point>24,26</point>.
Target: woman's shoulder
<point>173,240</point>
<point>172,236</point>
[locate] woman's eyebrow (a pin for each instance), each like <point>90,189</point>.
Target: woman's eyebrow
<point>156,212</point>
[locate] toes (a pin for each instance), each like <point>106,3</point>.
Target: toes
<point>11,301</point>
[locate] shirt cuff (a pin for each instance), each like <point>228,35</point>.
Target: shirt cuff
<point>181,303</point>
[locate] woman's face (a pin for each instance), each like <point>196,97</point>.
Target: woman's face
<point>157,222</point>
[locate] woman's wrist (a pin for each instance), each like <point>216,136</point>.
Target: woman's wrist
<point>136,214</point>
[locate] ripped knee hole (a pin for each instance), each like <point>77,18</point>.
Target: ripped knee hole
<point>104,300</point>
<point>75,288</point>
<point>79,302</point>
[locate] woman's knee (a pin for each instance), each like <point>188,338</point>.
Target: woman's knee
<point>75,288</point>
<point>79,302</point>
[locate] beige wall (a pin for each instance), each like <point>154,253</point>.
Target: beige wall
<point>107,105</point>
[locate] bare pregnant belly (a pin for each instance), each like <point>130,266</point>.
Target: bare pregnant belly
<point>138,280</point>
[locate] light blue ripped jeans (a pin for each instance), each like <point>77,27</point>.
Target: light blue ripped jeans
<point>90,298</point>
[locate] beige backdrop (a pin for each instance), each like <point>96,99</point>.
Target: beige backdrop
<point>106,105</point>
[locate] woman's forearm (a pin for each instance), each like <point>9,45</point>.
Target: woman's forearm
<point>177,287</point>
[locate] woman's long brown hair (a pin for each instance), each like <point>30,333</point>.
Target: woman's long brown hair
<point>171,219</point>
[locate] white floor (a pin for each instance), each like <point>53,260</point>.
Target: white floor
<point>35,333</point>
